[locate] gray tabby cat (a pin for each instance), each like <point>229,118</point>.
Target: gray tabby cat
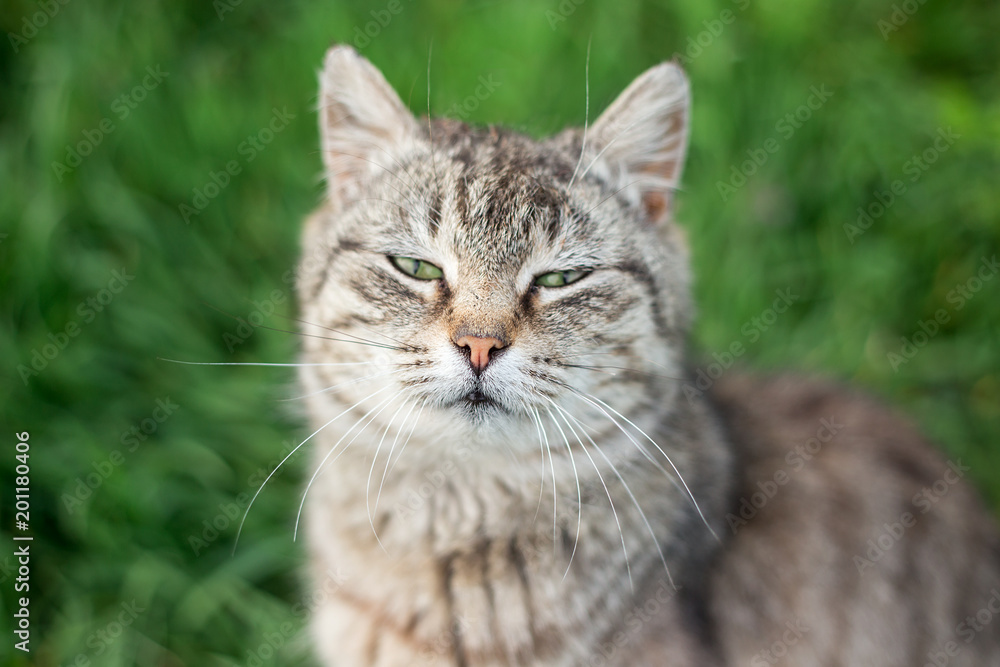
<point>508,470</point>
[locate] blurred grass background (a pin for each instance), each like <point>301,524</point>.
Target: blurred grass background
<point>121,498</point>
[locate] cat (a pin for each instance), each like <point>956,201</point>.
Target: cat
<point>507,467</point>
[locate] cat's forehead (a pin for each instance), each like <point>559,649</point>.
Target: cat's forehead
<point>493,193</point>
<point>498,151</point>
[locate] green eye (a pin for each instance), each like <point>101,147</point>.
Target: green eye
<point>559,278</point>
<point>417,268</point>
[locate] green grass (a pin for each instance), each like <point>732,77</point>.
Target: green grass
<point>64,233</point>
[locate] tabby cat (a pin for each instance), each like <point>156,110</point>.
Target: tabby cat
<point>512,463</point>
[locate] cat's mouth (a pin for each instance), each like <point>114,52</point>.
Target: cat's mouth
<point>477,401</point>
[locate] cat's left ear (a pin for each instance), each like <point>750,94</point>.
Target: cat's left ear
<point>644,135</point>
<point>363,124</point>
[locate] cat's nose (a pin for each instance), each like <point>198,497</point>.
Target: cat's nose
<point>479,349</point>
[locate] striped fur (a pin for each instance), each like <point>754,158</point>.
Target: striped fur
<point>569,505</point>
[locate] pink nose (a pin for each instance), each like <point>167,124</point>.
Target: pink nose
<point>479,349</point>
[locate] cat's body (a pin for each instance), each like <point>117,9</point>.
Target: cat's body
<point>508,471</point>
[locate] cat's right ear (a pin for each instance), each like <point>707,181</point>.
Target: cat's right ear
<point>643,136</point>
<point>364,126</point>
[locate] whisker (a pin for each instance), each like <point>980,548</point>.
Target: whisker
<point>620,368</point>
<point>403,346</point>
<point>430,127</point>
<point>622,188</point>
<point>614,512</point>
<point>587,368</point>
<point>642,450</point>
<point>343,384</point>
<point>408,436</point>
<point>611,354</point>
<point>579,495</point>
<point>555,489</point>
<point>660,449</point>
<point>395,439</point>
<point>541,450</point>
<point>251,363</point>
<point>628,490</point>
<point>381,406</point>
<point>239,531</point>
<point>371,471</point>
<point>616,138</point>
<point>301,333</point>
<point>586,118</point>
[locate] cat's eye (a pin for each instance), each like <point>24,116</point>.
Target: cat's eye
<point>559,278</point>
<point>417,268</point>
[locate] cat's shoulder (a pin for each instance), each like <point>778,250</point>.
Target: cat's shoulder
<point>786,421</point>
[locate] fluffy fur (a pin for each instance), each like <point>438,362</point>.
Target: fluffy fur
<point>569,505</point>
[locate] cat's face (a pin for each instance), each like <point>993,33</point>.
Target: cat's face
<point>487,278</point>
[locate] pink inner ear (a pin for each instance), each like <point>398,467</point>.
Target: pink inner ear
<point>656,204</point>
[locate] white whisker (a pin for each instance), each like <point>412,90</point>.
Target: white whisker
<point>392,448</point>
<point>416,420</point>
<point>614,512</point>
<point>371,471</point>
<point>618,136</point>
<point>660,449</point>
<point>249,363</point>
<point>322,463</point>
<point>541,450</point>
<point>555,489</point>
<point>586,118</point>
<point>628,490</point>
<point>239,531</point>
<point>344,384</point>
<point>579,495</point>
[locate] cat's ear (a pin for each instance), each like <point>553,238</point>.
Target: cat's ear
<point>364,126</point>
<point>644,135</point>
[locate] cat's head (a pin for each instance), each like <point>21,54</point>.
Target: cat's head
<point>488,277</point>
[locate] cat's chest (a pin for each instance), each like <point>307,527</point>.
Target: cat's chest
<point>456,574</point>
